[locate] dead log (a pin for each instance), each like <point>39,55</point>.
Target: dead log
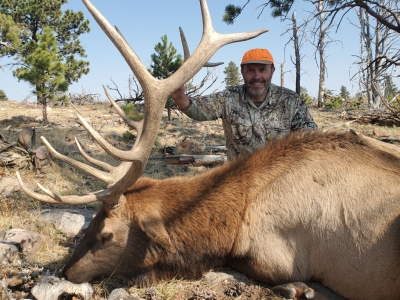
<point>196,160</point>
<point>377,118</point>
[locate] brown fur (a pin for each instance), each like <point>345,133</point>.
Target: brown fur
<point>312,206</point>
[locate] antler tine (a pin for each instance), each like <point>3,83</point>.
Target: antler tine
<point>119,41</point>
<point>103,176</point>
<point>101,164</point>
<point>55,198</point>
<point>186,52</point>
<point>137,125</point>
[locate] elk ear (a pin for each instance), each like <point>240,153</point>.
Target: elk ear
<point>153,225</point>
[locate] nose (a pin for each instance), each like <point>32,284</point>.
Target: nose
<point>257,74</point>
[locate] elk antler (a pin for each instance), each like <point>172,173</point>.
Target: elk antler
<point>156,93</point>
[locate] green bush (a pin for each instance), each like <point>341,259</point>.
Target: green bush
<point>3,96</point>
<point>305,96</point>
<point>357,103</point>
<point>128,136</point>
<point>307,99</point>
<point>334,102</point>
<point>132,113</point>
<point>61,99</point>
<point>396,102</point>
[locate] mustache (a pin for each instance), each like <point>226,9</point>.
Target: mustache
<point>257,81</point>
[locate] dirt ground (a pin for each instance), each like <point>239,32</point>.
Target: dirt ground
<point>63,127</point>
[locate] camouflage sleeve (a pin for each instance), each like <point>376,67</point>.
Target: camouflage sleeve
<point>302,118</point>
<point>195,113</point>
<point>205,108</point>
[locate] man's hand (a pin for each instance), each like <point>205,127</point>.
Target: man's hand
<point>180,98</point>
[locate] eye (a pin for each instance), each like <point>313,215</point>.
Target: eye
<point>106,237</point>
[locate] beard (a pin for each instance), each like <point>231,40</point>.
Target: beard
<point>258,92</point>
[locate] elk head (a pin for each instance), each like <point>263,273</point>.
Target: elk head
<point>110,232</point>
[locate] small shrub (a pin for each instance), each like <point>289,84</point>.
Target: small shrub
<point>305,96</point>
<point>128,136</point>
<point>396,102</point>
<point>334,102</point>
<point>3,96</point>
<point>61,99</point>
<point>357,103</point>
<point>132,113</point>
<point>307,99</point>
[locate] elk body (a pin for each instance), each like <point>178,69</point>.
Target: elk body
<point>310,207</point>
<point>302,209</point>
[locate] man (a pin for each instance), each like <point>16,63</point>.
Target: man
<point>253,113</point>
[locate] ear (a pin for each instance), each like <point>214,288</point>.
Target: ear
<point>152,224</point>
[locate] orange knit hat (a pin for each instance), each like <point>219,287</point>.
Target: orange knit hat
<point>257,56</point>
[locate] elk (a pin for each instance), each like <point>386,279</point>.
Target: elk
<point>313,213</point>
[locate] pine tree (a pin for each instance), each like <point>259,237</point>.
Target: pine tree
<point>164,62</point>
<point>9,35</point>
<point>344,93</point>
<point>305,96</point>
<point>3,96</point>
<point>44,69</point>
<point>32,16</point>
<point>232,76</point>
<point>390,88</point>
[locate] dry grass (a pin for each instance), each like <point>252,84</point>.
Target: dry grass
<point>22,212</point>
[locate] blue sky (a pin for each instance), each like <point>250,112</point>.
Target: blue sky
<point>143,23</point>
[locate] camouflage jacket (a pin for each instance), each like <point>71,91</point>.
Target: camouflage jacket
<point>247,126</point>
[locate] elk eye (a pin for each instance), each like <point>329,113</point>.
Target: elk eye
<point>106,237</point>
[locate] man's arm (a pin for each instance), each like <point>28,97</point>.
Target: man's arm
<point>188,107</point>
<point>180,98</point>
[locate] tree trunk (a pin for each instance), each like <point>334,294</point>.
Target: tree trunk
<point>296,52</point>
<point>321,51</point>
<point>169,111</point>
<point>282,74</point>
<point>44,111</point>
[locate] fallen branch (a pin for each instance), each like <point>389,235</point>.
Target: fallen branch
<point>379,118</point>
<point>196,160</point>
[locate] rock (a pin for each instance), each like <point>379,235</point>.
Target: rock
<point>51,288</point>
<point>190,147</point>
<point>8,253</point>
<point>68,221</point>
<point>217,279</point>
<point>8,186</point>
<point>379,133</point>
<point>27,241</point>
<point>121,294</point>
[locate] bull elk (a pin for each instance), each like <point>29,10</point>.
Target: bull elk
<point>310,207</point>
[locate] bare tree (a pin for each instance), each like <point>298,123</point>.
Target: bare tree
<point>379,55</point>
<point>135,92</point>
<point>83,97</point>
<point>296,45</point>
<point>298,39</point>
<point>321,51</point>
